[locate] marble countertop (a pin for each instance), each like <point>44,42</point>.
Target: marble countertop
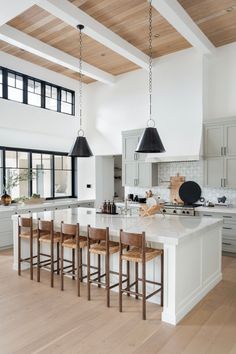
<point>217,209</point>
<point>159,229</point>
<point>48,203</point>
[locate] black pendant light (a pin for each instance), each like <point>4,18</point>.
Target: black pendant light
<point>81,147</point>
<point>150,141</point>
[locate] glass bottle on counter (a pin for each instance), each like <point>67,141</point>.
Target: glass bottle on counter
<point>104,209</point>
<point>108,207</point>
<point>113,208</point>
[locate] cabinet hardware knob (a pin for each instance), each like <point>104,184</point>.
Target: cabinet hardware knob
<point>207,215</point>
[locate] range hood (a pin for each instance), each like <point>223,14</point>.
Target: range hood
<point>179,147</point>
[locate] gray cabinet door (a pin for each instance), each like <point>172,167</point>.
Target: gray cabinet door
<point>144,174</point>
<point>130,174</point>
<point>214,141</point>
<point>214,172</point>
<point>230,172</point>
<point>130,144</point>
<point>230,140</point>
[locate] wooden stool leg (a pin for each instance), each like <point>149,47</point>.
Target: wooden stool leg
<point>88,274</point>
<point>136,279</point>
<point>19,256</point>
<point>31,258</point>
<point>144,289</point>
<point>108,279</point>
<point>52,264</point>
<point>73,263</point>
<point>62,267</point>
<point>58,258</point>
<point>80,265</point>
<point>78,270</point>
<point>99,269</point>
<point>38,261</point>
<point>128,276</point>
<point>120,284</point>
<point>162,277</point>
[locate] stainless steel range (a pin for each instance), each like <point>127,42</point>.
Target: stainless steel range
<point>175,209</point>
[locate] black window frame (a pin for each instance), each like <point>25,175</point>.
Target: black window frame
<point>6,71</point>
<point>53,169</point>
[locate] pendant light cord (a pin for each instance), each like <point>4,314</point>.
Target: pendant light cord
<point>80,27</point>
<point>150,65</point>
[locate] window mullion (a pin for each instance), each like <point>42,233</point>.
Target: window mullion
<point>25,90</point>
<point>4,83</point>
<point>53,177</point>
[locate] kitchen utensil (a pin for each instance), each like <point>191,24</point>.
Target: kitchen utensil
<point>175,183</point>
<point>136,198</point>
<point>151,201</point>
<point>142,200</point>
<point>190,192</point>
<point>222,199</point>
<point>130,197</point>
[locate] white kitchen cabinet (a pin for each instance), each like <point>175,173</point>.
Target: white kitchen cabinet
<point>135,171</point>
<point>214,172</point>
<point>130,140</point>
<point>130,174</point>
<point>228,229</point>
<point>220,154</point>
<point>230,139</point>
<point>230,172</point>
<point>214,140</point>
<point>147,174</point>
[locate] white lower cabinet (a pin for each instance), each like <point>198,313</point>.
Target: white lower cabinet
<point>228,229</point>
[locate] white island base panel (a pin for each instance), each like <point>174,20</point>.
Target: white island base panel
<point>192,253</point>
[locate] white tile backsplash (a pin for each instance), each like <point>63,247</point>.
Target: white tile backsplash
<point>193,171</point>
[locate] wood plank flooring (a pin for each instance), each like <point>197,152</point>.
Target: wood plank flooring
<point>37,319</point>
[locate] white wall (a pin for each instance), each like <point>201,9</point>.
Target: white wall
<point>86,175</point>
<point>177,102</point>
<point>33,127</point>
<point>220,83</point>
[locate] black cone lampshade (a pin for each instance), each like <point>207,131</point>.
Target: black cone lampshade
<point>150,142</point>
<point>81,148</point>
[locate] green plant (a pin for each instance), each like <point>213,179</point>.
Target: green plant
<point>15,178</point>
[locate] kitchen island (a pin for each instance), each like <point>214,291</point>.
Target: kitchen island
<point>192,252</point>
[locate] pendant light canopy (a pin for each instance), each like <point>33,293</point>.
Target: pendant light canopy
<point>150,141</point>
<point>81,147</point>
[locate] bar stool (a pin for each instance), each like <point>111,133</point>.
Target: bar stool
<point>99,243</point>
<point>25,231</point>
<point>71,239</point>
<point>46,234</point>
<point>138,253</point>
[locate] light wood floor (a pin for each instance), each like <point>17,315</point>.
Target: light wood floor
<point>37,319</point>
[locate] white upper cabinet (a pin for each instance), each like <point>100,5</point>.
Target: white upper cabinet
<point>220,154</point>
<point>130,144</point>
<point>214,141</point>
<point>230,140</point>
<point>135,171</point>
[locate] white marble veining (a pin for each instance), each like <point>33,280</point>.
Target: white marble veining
<point>159,229</point>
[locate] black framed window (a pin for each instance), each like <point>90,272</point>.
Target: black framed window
<point>15,87</point>
<point>49,174</point>
<point>66,102</point>
<point>1,89</point>
<point>34,91</point>
<point>29,90</point>
<point>63,174</point>
<point>51,99</point>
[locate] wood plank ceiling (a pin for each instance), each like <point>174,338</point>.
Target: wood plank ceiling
<point>129,19</point>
